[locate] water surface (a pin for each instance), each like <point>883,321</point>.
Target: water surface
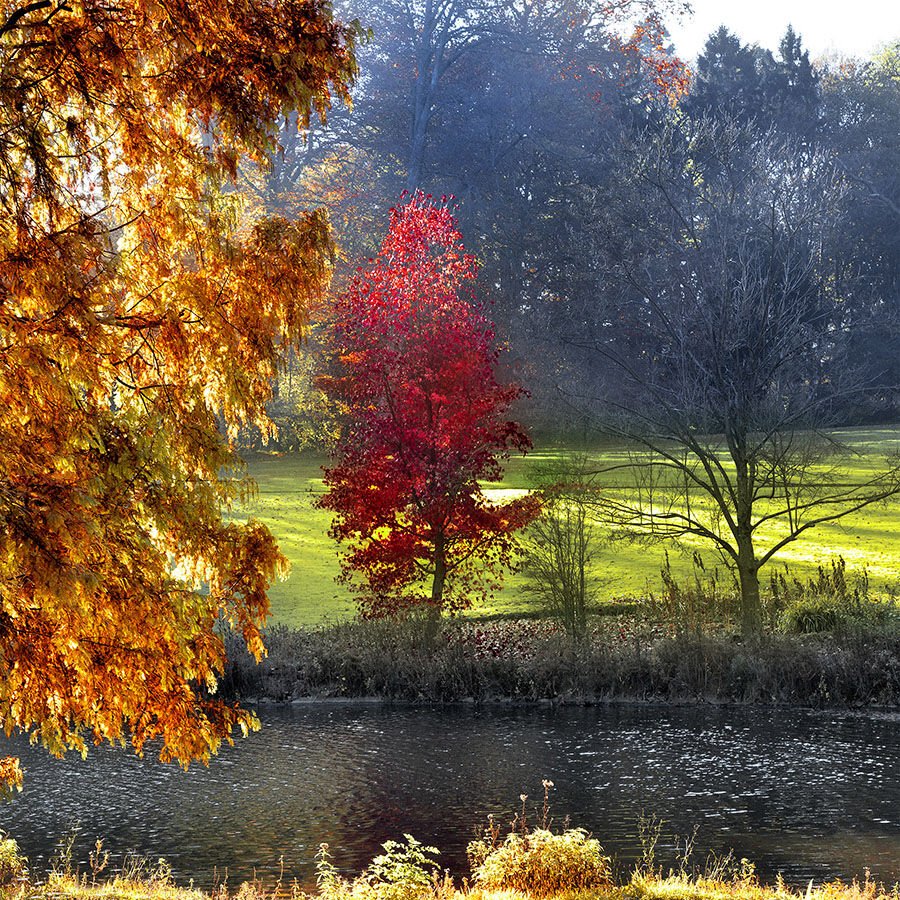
<point>808,794</point>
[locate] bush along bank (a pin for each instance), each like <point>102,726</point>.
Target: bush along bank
<point>534,660</point>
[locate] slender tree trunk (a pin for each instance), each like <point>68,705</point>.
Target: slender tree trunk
<point>433,620</point>
<point>416,151</point>
<point>748,566</point>
<point>581,539</point>
<point>422,96</point>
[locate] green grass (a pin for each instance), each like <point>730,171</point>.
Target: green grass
<point>288,486</point>
<point>287,489</point>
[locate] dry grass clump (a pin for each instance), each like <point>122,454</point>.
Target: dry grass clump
<point>121,886</point>
<point>137,878</point>
<point>537,862</point>
<point>118,887</point>
<point>681,886</point>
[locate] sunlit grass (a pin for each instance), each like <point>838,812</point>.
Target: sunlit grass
<point>289,485</point>
<point>640,887</point>
<point>116,889</point>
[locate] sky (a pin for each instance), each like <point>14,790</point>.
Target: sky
<point>850,27</point>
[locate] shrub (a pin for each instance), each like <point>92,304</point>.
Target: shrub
<point>12,864</point>
<point>404,871</point>
<point>561,545</point>
<point>541,863</point>
<point>403,866</point>
<point>809,615</point>
<point>831,600</point>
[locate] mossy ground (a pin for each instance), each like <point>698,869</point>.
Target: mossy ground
<point>288,486</point>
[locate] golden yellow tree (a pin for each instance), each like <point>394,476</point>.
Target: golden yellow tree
<point>139,329</point>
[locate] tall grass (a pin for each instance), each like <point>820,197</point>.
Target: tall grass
<point>833,599</point>
<point>531,661</point>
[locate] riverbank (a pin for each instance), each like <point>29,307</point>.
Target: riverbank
<point>675,887</point>
<point>533,661</point>
<point>725,880</point>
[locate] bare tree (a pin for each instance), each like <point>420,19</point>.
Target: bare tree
<point>723,340</point>
<point>561,545</point>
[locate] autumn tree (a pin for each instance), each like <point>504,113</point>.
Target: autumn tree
<point>135,318</point>
<point>425,421</point>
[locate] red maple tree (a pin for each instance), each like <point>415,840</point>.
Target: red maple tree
<point>414,363</point>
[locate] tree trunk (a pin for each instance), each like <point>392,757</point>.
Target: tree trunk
<point>748,566</point>
<point>421,102</point>
<point>433,620</point>
<point>751,605</point>
<point>416,152</point>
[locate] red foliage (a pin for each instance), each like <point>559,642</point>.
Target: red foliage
<point>414,371</point>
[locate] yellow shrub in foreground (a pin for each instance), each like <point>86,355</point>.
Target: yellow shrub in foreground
<point>541,863</point>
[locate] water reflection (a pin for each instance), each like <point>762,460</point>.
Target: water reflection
<point>812,795</point>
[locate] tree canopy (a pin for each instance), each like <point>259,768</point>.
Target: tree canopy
<point>136,318</point>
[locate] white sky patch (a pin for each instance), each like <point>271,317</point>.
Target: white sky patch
<point>827,26</point>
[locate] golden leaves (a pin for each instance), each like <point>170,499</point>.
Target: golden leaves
<point>135,317</point>
<point>10,775</point>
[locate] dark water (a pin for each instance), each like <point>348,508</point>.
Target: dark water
<point>811,795</point>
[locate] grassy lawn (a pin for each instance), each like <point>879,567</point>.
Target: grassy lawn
<point>288,486</point>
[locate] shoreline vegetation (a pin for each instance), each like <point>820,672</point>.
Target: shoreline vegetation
<point>532,660</point>
<point>527,864</point>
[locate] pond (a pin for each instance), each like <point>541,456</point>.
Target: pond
<point>813,795</point>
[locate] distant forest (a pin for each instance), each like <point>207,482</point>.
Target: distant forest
<point>628,211</point>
